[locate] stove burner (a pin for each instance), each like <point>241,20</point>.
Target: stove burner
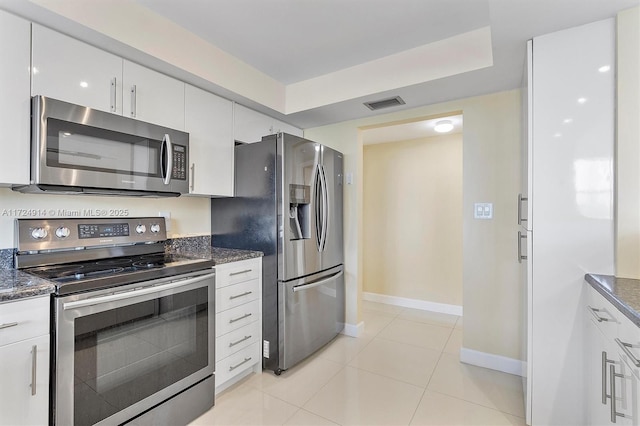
<point>115,262</point>
<point>148,264</point>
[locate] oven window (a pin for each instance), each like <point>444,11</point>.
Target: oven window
<point>82,147</point>
<point>129,353</point>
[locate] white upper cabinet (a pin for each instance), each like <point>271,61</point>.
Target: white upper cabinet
<point>15,110</point>
<point>153,97</point>
<point>72,71</point>
<point>250,126</point>
<point>208,120</point>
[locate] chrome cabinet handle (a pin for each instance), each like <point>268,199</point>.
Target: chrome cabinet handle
<point>34,368</point>
<point>246,293</point>
<point>231,321</point>
<point>231,274</point>
<point>594,312</point>
<point>245,338</point>
<point>521,237</point>
<point>238,365</point>
<point>625,348</point>
<point>605,361</point>
<point>134,94</point>
<point>612,383</point>
<point>520,200</point>
<point>7,325</point>
<point>193,176</point>
<point>114,85</point>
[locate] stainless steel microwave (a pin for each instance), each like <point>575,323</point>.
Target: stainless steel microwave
<point>75,149</point>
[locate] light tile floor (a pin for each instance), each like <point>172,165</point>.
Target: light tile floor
<point>405,370</point>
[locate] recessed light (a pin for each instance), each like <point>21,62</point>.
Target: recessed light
<point>84,84</point>
<point>582,100</point>
<point>604,68</point>
<point>567,120</point>
<point>443,126</point>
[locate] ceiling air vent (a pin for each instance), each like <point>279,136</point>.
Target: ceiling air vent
<point>384,103</point>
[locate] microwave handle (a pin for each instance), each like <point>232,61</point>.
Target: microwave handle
<point>167,169</point>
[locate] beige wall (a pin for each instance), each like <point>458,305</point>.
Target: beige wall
<point>413,219</point>
<point>491,173</point>
<point>628,148</point>
<point>190,216</point>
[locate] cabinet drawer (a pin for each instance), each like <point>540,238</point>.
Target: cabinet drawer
<point>24,319</point>
<point>236,340</point>
<point>628,344</point>
<point>606,317</point>
<point>234,318</point>
<point>237,363</point>
<point>237,272</point>
<point>237,294</point>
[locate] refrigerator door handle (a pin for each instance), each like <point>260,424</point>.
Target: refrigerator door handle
<point>318,198</point>
<point>317,283</point>
<point>325,209</point>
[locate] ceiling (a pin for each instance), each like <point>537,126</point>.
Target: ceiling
<point>409,131</point>
<point>293,40</point>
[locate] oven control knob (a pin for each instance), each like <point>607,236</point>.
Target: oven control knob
<point>155,228</point>
<point>62,232</point>
<point>39,233</point>
<point>141,229</point>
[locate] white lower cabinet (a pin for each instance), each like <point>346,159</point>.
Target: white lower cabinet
<point>238,321</point>
<point>24,362</point>
<point>612,368</point>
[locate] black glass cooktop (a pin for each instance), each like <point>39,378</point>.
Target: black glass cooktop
<point>92,275</point>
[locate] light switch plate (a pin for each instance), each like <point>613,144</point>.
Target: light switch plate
<point>483,210</point>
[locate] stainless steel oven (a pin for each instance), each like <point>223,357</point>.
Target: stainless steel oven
<point>122,351</point>
<point>76,149</point>
<point>133,329</point>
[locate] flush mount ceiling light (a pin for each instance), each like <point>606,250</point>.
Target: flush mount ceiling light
<point>443,126</point>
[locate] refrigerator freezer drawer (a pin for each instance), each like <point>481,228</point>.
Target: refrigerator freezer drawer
<point>311,315</point>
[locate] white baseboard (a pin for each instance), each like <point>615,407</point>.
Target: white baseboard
<point>353,330</point>
<point>413,303</point>
<point>493,362</point>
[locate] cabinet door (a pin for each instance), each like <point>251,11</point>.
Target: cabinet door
<point>18,404</point>
<point>15,110</point>
<point>250,126</point>
<point>153,97</point>
<point>600,356</point>
<point>72,71</point>
<point>209,121</point>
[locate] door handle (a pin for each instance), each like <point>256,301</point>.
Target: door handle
<point>114,85</point>
<point>612,383</point>
<point>134,105</point>
<point>625,348</point>
<point>166,151</point>
<point>34,369</point>
<point>520,200</point>
<point>316,283</point>
<point>521,237</point>
<point>605,361</point>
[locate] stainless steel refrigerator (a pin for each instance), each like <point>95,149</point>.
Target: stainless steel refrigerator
<point>288,204</point>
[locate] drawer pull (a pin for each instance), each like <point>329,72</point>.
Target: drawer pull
<point>231,321</point>
<point>233,367</point>
<point>246,271</point>
<point>7,325</point>
<point>625,348</point>
<point>605,361</point>
<point>594,312</point>
<point>245,338</point>
<point>246,293</point>
<point>34,368</point>
<point>612,381</point>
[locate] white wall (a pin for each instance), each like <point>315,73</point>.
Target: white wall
<point>491,173</point>
<point>628,148</point>
<point>190,216</point>
<point>413,219</point>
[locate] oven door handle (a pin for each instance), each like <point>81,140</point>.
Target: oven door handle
<point>127,294</point>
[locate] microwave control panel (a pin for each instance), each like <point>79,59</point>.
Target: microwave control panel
<point>179,162</point>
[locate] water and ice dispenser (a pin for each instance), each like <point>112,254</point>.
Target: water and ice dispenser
<point>299,211</point>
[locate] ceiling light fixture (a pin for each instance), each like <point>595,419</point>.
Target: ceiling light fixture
<point>443,126</point>
<point>604,68</point>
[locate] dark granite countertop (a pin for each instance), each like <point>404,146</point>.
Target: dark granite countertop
<point>15,284</point>
<point>623,293</point>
